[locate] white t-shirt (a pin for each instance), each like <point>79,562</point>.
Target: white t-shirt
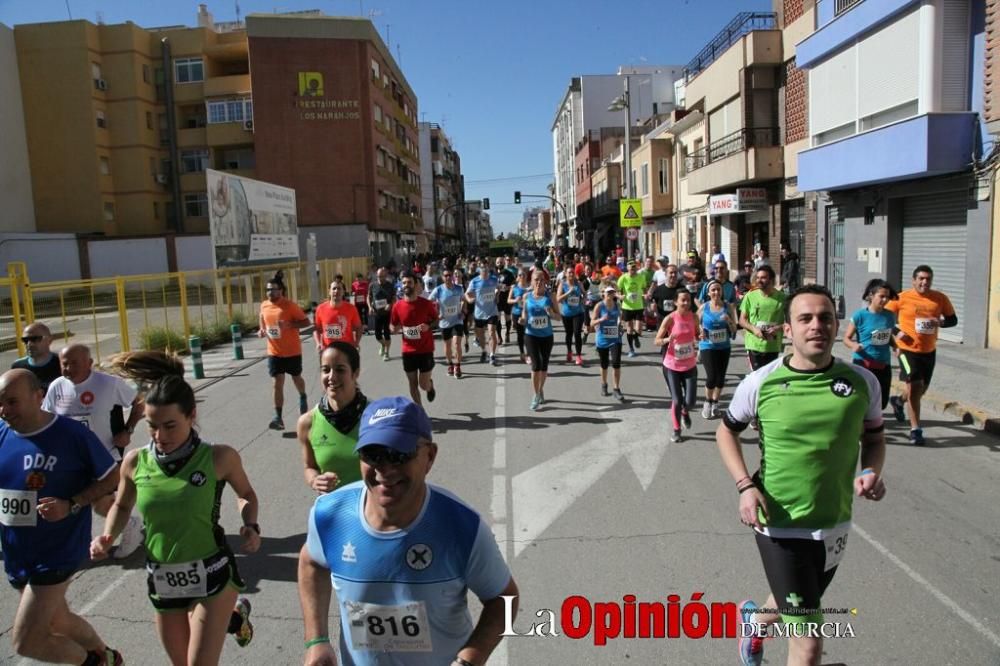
<point>660,277</point>
<point>90,402</point>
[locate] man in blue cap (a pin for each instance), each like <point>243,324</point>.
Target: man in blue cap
<point>403,562</point>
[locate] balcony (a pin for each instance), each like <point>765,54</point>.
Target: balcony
<point>227,134</point>
<point>192,138</point>
<point>219,86</point>
<point>746,156</point>
<point>927,145</point>
<point>840,22</point>
<point>743,24</point>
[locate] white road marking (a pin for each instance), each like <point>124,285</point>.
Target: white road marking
<point>936,593</point>
<point>498,504</point>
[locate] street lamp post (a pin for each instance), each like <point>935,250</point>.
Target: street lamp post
<point>624,103</point>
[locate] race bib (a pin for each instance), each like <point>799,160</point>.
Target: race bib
<point>881,337</point>
<point>487,296</point>
<point>333,331</point>
<point>835,543</point>
<point>609,331</point>
<point>925,325</point>
<point>684,351</point>
<point>85,420</point>
<point>381,303</point>
<point>693,288</point>
<point>539,322</point>
<point>18,508</point>
<point>412,332</point>
<point>718,335</point>
<point>573,301</point>
<point>668,305</point>
<point>274,332</point>
<point>450,311</point>
<point>634,296</point>
<point>180,581</point>
<point>378,628</point>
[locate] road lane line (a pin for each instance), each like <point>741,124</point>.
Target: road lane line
<point>936,593</point>
<point>498,505</point>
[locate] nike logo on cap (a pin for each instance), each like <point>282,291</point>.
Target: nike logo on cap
<point>381,415</point>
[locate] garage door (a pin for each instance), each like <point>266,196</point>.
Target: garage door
<point>934,233</point>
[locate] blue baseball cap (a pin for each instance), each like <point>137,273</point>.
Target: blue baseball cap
<point>395,422</point>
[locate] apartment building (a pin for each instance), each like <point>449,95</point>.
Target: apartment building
<point>442,188</point>
<point>652,163</point>
<point>15,181</point>
<point>991,115</point>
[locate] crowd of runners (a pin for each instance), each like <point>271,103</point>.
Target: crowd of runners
<point>68,429</point>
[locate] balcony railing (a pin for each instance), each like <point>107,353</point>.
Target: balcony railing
<point>743,24</point>
<point>841,6</point>
<point>737,142</point>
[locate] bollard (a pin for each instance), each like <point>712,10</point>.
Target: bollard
<point>237,341</point>
<point>199,368</point>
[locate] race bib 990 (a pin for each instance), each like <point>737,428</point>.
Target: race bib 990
<point>17,508</point>
<point>378,628</point>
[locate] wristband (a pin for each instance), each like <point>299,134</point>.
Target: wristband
<point>745,478</point>
<point>317,641</point>
<point>254,526</point>
<point>866,470</point>
<point>745,488</point>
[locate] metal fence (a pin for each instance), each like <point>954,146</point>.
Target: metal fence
<point>155,311</point>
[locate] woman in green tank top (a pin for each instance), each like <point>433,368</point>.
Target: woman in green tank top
<point>177,482</point>
<point>329,431</point>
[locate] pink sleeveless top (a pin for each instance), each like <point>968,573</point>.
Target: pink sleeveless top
<point>682,352</point>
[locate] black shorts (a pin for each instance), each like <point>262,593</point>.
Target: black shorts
<point>458,331</point>
<point>493,321</point>
<point>284,365</point>
<point>916,367</point>
<point>382,325</point>
<point>610,356</point>
<point>503,305</point>
<point>760,359</point>
<point>632,315</point>
<point>418,362</point>
<point>40,578</point>
<point>221,572</point>
<point>795,570</point>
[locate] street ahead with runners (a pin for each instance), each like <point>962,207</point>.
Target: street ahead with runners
<point>597,513</point>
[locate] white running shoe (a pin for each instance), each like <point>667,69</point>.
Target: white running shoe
<point>706,410</point>
<point>131,538</point>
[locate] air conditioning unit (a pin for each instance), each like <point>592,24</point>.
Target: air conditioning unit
<point>161,178</point>
<point>248,125</point>
<point>101,84</point>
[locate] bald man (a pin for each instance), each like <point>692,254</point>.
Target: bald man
<point>40,360</point>
<point>51,470</point>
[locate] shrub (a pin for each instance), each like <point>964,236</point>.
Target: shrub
<point>161,338</point>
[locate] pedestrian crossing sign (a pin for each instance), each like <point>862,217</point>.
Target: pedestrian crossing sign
<point>630,213</point>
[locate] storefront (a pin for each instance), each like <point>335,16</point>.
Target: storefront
<point>739,222</point>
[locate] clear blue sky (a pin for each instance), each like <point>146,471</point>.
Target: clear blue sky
<point>491,73</point>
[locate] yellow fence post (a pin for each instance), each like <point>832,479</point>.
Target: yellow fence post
<point>182,285</point>
<point>15,304</point>
<point>122,314</point>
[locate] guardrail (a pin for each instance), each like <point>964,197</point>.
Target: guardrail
<point>738,141</point>
<point>744,23</point>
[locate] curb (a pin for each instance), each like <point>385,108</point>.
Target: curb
<point>967,414</point>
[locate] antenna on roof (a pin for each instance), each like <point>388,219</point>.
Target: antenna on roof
<point>237,12</point>
<point>69,11</point>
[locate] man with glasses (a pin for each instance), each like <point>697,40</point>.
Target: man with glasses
<point>449,297</point>
<point>722,277</point>
<point>280,321</point>
<point>403,563</point>
<point>40,360</point>
<point>744,280</point>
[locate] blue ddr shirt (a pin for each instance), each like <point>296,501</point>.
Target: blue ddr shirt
<point>874,334</point>
<point>60,460</point>
<point>449,302</point>
<point>485,292</point>
<point>403,594</point>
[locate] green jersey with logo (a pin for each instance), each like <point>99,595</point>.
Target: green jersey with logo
<point>632,290</point>
<point>764,309</point>
<point>810,424</point>
<point>180,512</point>
<point>334,451</point>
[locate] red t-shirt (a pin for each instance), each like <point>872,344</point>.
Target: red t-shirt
<point>337,324</point>
<point>410,315</point>
<point>360,289</point>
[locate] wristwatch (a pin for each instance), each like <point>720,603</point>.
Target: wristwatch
<point>254,526</point>
<point>74,508</point>
<point>130,429</point>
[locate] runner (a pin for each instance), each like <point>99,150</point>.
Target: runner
<point>45,521</point>
<point>664,296</point>
<point>336,320</point>
<point>606,321</point>
<point>799,502</point>
<point>280,321</point>
<point>506,279</point>
<point>40,360</point>
<point>516,298</point>
<point>382,296</point>
<point>761,313</point>
<point>359,537</point>
<point>718,326</point>
<point>591,284</point>
<point>448,297</point>
<point>569,295</point>
<point>721,275</point>
<point>869,334</point>
<point>921,312</point>
<point>359,288</point>
<point>413,316</point>
<point>633,286</point>
<point>482,292</point>
<point>679,333</point>
<point>692,274</point>
<point>537,312</point>
<point>177,482</point>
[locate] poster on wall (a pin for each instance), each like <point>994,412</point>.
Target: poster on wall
<point>251,222</point>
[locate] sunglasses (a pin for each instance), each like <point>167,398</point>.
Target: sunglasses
<point>376,456</point>
<point>31,338</point>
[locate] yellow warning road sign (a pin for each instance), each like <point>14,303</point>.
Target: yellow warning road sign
<point>630,212</point>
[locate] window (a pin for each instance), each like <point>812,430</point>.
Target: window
<point>645,178</point>
<point>149,120</point>
<point>109,211</point>
<point>95,71</point>
<point>101,120</point>
<point>189,70</point>
<point>379,158</point>
<point>238,158</point>
<point>146,74</point>
<point>196,205</point>
<point>230,111</point>
<point>682,160</point>
<point>105,166</point>
<point>194,161</point>
<point>377,112</point>
<point>376,70</point>
<point>664,176</point>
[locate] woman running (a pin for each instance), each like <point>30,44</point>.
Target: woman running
<point>679,333</point>
<point>869,334</point>
<point>537,313</point>
<point>718,325</point>
<point>569,295</point>
<point>515,298</point>
<point>177,481</point>
<point>606,321</point>
<point>328,432</point>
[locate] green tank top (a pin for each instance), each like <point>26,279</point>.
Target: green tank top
<point>180,512</point>
<point>334,451</point>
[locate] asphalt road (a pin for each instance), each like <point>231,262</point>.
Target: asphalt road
<point>589,497</point>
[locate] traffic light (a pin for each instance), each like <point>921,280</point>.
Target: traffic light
<point>486,203</point>
<point>517,197</point>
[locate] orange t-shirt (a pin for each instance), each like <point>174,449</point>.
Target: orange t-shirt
<point>337,323</point>
<point>611,271</point>
<point>919,316</point>
<point>282,338</point>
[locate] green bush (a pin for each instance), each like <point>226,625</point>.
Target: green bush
<point>161,338</point>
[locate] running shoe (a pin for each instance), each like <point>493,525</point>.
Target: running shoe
<point>458,371</point>
<point>506,339</point>
<point>715,409</point>
<point>896,403</point>
<point>475,343</point>
<point>541,396</point>
<point>482,357</point>
<point>604,390</point>
<point>451,370</point>
<point>579,360</point>
<point>917,437</point>
<point>569,357</point>
<point>276,424</point>
<point>535,403</point>
<point>386,357</point>
<point>303,404</point>
<point>617,393</point>
<point>493,361</point>
<point>687,420</point>
<point>244,634</point>
<point>466,346</point>
<point>706,410</point>
<point>431,393</point>
<point>112,657</point>
<point>131,538</point>
<point>631,353</point>
<point>676,437</point>
<point>638,345</point>
<point>751,647</point>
